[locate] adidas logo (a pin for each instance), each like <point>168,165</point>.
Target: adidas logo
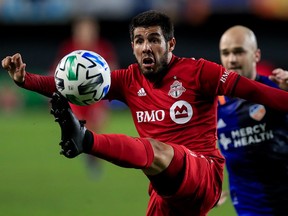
<point>141,92</point>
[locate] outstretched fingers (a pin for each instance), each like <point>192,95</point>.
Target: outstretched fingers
<point>279,74</point>
<point>15,67</point>
<point>280,77</point>
<point>6,62</point>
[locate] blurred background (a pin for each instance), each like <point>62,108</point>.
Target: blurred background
<point>35,180</point>
<point>35,28</point>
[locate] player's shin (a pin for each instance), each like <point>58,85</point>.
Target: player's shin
<point>122,150</point>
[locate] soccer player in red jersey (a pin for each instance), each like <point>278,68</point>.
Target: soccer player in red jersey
<point>173,102</point>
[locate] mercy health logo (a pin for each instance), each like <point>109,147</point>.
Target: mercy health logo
<point>246,136</point>
<point>180,112</point>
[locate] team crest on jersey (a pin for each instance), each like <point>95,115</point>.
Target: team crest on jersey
<point>176,89</point>
<point>181,112</point>
<point>257,112</point>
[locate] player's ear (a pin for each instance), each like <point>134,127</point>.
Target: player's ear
<point>132,46</point>
<point>171,44</point>
<point>258,55</point>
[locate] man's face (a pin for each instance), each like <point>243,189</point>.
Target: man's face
<point>151,50</point>
<point>238,54</point>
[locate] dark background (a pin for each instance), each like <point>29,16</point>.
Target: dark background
<point>38,42</point>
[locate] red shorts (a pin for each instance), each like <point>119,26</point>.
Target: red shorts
<point>199,191</point>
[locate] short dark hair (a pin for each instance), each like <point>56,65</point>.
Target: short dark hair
<point>153,18</point>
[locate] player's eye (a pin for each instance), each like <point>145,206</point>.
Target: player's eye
<point>239,52</point>
<point>138,41</point>
<point>154,40</point>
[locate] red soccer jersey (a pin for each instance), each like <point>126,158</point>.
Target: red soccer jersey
<point>182,109</point>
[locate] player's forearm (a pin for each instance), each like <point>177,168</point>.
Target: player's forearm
<point>262,94</point>
<point>44,85</point>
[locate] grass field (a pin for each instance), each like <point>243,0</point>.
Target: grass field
<point>37,181</point>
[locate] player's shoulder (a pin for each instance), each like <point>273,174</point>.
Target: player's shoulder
<point>132,68</point>
<point>198,66</point>
<point>185,59</point>
<point>195,61</point>
<point>126,73</point>
<point>129,69</point>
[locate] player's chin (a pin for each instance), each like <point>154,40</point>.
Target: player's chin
<point>147,71</point>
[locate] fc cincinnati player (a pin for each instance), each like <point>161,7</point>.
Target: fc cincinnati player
<point>173,102</point>
<point>253,138</point>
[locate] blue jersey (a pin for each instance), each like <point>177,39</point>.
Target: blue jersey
<point>254,140</point>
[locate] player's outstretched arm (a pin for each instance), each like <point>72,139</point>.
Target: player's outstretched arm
<point>15,67</point>
<point>260,93</point>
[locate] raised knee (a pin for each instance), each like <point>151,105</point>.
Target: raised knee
<point>163,155</point>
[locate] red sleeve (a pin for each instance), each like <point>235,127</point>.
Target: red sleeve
<point>216,80</point>
<point>259,93</point>
<point>44,85</point>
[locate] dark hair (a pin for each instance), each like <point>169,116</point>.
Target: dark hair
<point>152,18</point>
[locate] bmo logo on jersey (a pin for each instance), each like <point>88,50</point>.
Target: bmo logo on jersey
<point>181,112</point>
<point>150,116</point>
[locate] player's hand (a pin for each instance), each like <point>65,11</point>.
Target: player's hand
<point>280,77</point>
<point>15,67</point>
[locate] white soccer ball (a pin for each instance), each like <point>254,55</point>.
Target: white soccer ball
<point>83,77</point>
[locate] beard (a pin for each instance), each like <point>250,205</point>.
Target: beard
<point>157,75</point>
